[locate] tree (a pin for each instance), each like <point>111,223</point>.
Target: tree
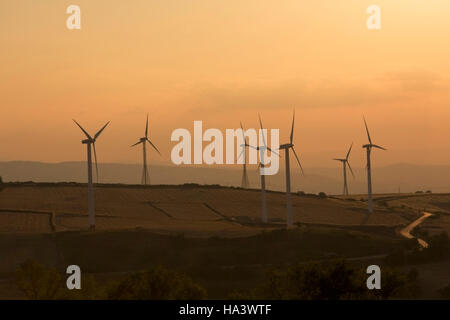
<point>314,281</point>
<point>333,280</point>
<point>157,284</point>
<point>38,282</point>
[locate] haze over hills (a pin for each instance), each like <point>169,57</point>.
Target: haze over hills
<point>388,179</point>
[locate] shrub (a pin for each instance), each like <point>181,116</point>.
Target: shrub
<point>37,281</point>
<point>334,280</point>
<point>438,249</point>
<point>322,195</point>
<point>40,282</point>
<point>157,284</point>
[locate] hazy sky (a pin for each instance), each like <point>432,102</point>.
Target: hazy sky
<point>222,61</point>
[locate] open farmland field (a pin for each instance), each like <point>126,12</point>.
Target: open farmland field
<point>211,233</point>
<point>192,210</point>
<point>437,204</point>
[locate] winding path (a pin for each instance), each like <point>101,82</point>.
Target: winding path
<point>406,232</point>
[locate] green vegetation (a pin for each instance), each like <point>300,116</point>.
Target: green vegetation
<point>157,284</point>
<point>330,280</point>
<point>220,265</point>
<point>438,249</point>
<point>334,280</point>
<point>38,282</point>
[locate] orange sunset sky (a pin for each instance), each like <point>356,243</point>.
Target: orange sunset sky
<point>222,61</point>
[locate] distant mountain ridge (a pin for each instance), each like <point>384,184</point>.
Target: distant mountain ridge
<point>389,179</point>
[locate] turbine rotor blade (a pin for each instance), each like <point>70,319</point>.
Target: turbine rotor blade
<point>273,151</point>
<point>379,147</point>
<point>241,153</point>
<point>367,130</point>
<point>136,144</point>
<point>95,158</point>
<point>243,134</point>
<point>84,131</point>
<point>262,131</point>
<point>101,130</point>
<point>146,127</point>
<point>298,160</point>
<point>292,128</point>
<point>153,146</point>
<point>348,163</point>
<point>348,153</point>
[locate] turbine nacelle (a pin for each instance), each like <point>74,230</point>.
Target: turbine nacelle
<point>371,145</point>
<point>86,141</point>
<point>286,146</point>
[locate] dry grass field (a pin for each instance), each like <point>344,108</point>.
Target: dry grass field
<point>437,204</point>
<point>211,233</point>
<point>191,210</point>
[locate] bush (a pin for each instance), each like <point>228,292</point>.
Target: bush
<point>438,249</point>
<point>322,195</point>
<point>157,284</point>
<point>335,280</point>
<point>38,282</point>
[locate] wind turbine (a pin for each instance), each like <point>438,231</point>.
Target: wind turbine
<point>262,149</point>
<point>286,148</point>
<point>345,163</point>
<point>91,142</point>
<point>143,140</point>
<point>244,182</point>
<point>369,174</point>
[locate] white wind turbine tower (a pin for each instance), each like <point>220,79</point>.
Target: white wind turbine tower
<point>286,148</point>
<point>244,182</point>
<point>369,174</point>
<point>345,163</point>
<point>91,142</point>
<point>143,140</point>
<point>262,149</point>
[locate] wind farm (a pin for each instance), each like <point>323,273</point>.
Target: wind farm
<point>258,173</point>
<point>124,213</point>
